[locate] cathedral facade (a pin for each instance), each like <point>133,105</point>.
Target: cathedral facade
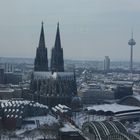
<point>52,85</point>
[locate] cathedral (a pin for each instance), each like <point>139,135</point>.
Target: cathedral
<point>51,85</point>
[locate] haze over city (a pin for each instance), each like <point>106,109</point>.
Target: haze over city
<point>90,29</point>
<point>69,70</point>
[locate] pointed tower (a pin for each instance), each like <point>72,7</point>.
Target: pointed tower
<point>57,62</point>
<point>41,60</point>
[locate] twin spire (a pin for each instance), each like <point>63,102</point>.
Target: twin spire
<point>57,38</point>
<point>41,60</point>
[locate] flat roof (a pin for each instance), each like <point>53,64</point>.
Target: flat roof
<point>114,108</point>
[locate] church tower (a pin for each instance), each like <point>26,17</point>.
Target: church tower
<point>57,62</point>
<point>41,60</point>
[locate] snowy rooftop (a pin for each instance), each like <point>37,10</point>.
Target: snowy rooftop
<point>15,108</point>
<point>44,119</point>
<point>6,90</point>
<point>47,75</point>
<point>42,75</point>
<point>68,128</point>
<point>114,108</point>
<point>62,74</point>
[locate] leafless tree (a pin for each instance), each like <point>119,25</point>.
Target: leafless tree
<point>49,131</point>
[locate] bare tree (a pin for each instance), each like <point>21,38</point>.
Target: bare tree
<point>49,131</point>
<point>30,134</point>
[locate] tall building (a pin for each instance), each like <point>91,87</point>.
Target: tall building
<point>41,60</point>
<point>9,77</point>
<point>55,86</point>
<point>8,67</point>
<point>1,76</point>
<point>57,62</point>
<point>106,63</point>
<point>131,43</point>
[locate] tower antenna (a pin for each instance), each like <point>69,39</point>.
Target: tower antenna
<point>131,43</point>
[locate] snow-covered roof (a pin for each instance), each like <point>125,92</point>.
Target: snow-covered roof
<point>114,108</point>
<point>44,119</point>
<point>55,75</point>
<point>68,128</point>
<point>6,90</point>
<point>62,75</point>
<point>128,113</point>
<point>63,106</point>
<point>11,108</point>
<point>42,75</point>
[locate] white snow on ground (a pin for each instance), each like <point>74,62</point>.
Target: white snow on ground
<point>44,119</point>
<point>69,128</point>
<point>49,120</point>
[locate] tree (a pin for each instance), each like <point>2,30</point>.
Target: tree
<point>49,131</point>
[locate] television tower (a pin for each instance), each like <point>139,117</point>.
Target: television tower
<point>131,43</point>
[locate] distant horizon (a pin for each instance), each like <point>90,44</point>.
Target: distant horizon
<point>67,59</point>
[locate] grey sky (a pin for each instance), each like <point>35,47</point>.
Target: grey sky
<point>90,29</point>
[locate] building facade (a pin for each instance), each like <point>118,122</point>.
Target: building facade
<point>53,86</point>
<point>106,64</point>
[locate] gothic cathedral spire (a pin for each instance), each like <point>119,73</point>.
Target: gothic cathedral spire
<point>42,38</point>
<point>57,62</point>
<point>57,39</point>
<point>41,60</point>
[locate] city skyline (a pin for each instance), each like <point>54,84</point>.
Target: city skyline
<point>90,29</point>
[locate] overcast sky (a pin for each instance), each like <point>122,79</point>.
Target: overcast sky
<point>90,29</point>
